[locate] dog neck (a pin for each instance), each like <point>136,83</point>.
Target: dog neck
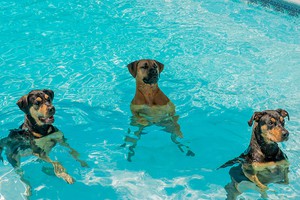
<point>148,89</point>
<point>262,151</point>
<point>146,94</point>
<point>36,130</point>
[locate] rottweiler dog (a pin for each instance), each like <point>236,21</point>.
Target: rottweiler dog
<point>37,136</point>
<point>263,162</point>
<point>150,106</point>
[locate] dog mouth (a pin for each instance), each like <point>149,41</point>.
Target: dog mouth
<point>151,79</point>
<point>47,120</point>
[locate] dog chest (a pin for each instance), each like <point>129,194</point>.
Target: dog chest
<point>49,141</point>
<point>268,172</point>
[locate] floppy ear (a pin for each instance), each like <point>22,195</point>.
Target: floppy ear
<point>283,113</point>
<point>132,68</point>
<point>23,103</point>
<point>50,93</point>
<point>160,65</point>
<point>255,117</point>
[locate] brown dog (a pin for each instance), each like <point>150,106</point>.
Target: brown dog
<point>263,162</point>
<point>150,105</point>
<point>37,136</point>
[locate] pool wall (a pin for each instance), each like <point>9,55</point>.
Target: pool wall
<point>291,6</point>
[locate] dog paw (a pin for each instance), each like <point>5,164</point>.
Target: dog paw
<point>68,178</point>
<point>263,188</point>
<point>28,192</point>
<point>190,153</point>
<point>58,168</point>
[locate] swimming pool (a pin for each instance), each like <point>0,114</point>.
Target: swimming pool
<point>223,61</point>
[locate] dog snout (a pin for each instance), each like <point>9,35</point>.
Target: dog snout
<point>153,71</point>
<point>51,110</point>
<point>285,134</point>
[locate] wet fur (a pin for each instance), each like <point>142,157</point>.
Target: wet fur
<point>150,105</point>
<point>36,136</point>
<point>263,162</point>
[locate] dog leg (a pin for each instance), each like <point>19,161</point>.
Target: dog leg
<point>59,170</point>
<point>3,142</point>
<point>189,152</point>
<point>264,194</point>
<point>73,152</point>
<point>133,140</point>
<point>286,177</point>
<point>14,160</point>
<point>28,190</point>
<point>232,192</point>
<point>171,126</point>
<point>254,179</point>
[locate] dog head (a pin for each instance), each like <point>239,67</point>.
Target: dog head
<point>146,71</point>
<point>271,124</point>
<point>38,105</point>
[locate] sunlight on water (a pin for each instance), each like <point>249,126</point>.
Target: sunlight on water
<point>223,61</point>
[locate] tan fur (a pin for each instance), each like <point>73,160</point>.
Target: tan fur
<point>45,136</point>
<point>273,135</point>
<point>263,162</point>
<point>147,94</point>
<point>262,173</point>
<point>150,104</point>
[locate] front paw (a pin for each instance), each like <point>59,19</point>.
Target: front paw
<point>190,153</point>
<point>60,172</point>
<point>69,179</point>
<point>263,188</point>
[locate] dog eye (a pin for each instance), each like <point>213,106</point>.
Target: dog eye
<point>37,103</point>
<point>271,123</point>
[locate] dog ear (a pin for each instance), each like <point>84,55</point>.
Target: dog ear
<point>50,93</point>
<point>160,65</point>
<point>23,103</point>
<point>255,117</point>
<point>283,113</point>
<point>132,68</point>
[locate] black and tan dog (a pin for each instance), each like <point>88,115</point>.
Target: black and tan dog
<point>263,162</point>
<point>36,136</point>
<point>150,105</point>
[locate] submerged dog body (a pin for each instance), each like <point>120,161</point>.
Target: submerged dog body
<point>263,162</point>
<point>150,105</point>
<point>37,136</point>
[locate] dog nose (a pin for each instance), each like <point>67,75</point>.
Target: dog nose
<point>285,134</point>
<point>51,109</point>
<point>153,71</point>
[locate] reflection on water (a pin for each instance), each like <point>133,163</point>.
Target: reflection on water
<point>223,60</point>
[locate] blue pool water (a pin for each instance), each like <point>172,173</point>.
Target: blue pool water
<point>223,61</point>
